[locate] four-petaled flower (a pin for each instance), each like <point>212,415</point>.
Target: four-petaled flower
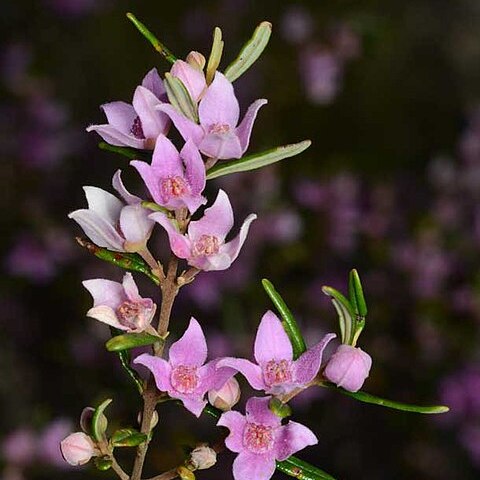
<point>175,180</point>
<point>218,135</point>
<point>204,246</point>
<point>276,372</point>
<point>260,439</point>
<point>137,125</point>
<point>120,305</point>
<point>185,375</point>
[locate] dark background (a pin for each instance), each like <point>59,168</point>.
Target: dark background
<point>387,91</point>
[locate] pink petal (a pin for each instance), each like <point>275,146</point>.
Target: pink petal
<point>130,288</point>
<point>160,369</point>
<point>221,145</point>
<point>135,226</point>
<point>219,106</point>
<point>153,122</point>
<point>272,342</point>
<point>153,82</point>
<point>120,115</point>
<point>251,466</point>
<point>210,263</point>
<point>166,159</point>
<point>244,130</point>
<point>292,438</point>
<point>150,178</point>
<point>232,248</point>
<point>114,136</point>
<point>194,405</point>
<point>308,364</point>
<point>193,202</point>
<point>258,412</point>
<point>122,191</point>
<point>192,78</point>
<point>194,167</point>
<point>251,371</point>
<point>217,219</point>
<point>235,422</point>
<point>187,128</point>
<point>179,244</point>
<point>104,204</point>
<point>105,292</point>
<point>106,315</point>
<point>191,348</point>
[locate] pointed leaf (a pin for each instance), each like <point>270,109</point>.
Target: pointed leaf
<point>99,421</point>
<point>346,316</point>
<point>250,51</point>
<point>257,160</point>
<point>128,437</point>
<point>124,356</point>
<point>288,321</point>
<point>179,97</point>
<point>127,152</point>
<point>103,463</point>
<point>294,467</point>
<point>215,55</point>
<point>357,299</point>
<point>128,341</point>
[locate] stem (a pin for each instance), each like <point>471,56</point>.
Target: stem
<point>118,469</point>
<point>155,266</point>
<point>169,292</point>
<point>169,475</point>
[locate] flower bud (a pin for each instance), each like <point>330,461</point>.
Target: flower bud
<point>153,421</point>
<point>196,60</point>
<point>77,448</point>
<point>203,457</point>
<point>185,474</point>
<point>227,396</point>
<point>86,419</point>
<point>348,367</point>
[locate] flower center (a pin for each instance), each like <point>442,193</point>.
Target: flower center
<point>136,129</point>
<point>184,378</point>
<point>219,128</point>
<point>131,314</point>
<point>173,187</point>
<point>258,438</point>
<point>206,245</point>
<point>277,372</point>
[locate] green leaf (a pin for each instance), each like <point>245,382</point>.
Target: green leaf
<point>157,45</point>
<point>127,261</point>
<point>103,463</point>
<point>215,55</point>
<point>128,437</point>
<point>128,152</point>
<point>99,421</point>
<point>294,467</point>
<point>346,316</point>
<point>128,341</point>
<point>257,160</point>
<point>406,407</point>
<point>250,51</point>
<point>124,356</point>
<point>288,321</point>
<point>180,98</point>
<point>357,299</point>
<point>155,207</point>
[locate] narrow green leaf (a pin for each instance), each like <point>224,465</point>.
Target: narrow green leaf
<point>357,298</point>
<point>215,55</point>
<point>288,321</point>
<point>157,45</point>
<point>127,261</point>
<point>257,160</point>
<point>180,98</point>
<point>250,51</point>
<point>128,152</point>
<point>99,421</point>
<point>346,316</point>
<point>128,437</point>
<point>124,356</point>
<point>406,407</point>
<point>128,341</point>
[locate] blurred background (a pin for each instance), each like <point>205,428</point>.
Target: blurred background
<point>389,93</point>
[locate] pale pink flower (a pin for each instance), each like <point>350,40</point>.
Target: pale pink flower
<point>226,397</point>
<point>77,449</point>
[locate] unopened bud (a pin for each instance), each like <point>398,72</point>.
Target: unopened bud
<point>185,474</point>
<point>227,396</point>
<point>77,448</point>
<point>196,60</point>
<point>203,457</point>
<point>86,419</point>
<point>153,422</point>
<point>348,367</point>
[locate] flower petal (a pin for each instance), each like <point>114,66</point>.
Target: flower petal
<point>306,367</point>
<point>258,412</point>
<point>232,248</point>
<point>105,314</point>
<point>221,145</point>
<point>103,204</point>
<point>130,288</point>
<point>194,167</point>
<point>272,342</point>
<point>212,377</point>
<point>105,292</point>
<point>113,136</point>
<point>219,105</point>
<point>210,263</point>
<point>193,404</point>
<point>235,422</point>
<point>150,178</point>
<point>120,115</point>
<point>249,466</point>
<point>192,78</point>
<point>191,348</point>
<point>160,369</point>
<point>153,82</point>
<point>179,244</point>
<point>136,226</point>
<point>292,438</point>
<point>153,122</point>
<point>187,128</point>
<point>244,130</point>
<point>166,159</point>
<point>119,187</point>
<point>251,371</point>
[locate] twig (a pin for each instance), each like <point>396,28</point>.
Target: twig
<point>118,469</point>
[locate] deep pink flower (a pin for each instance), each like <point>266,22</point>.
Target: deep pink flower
<point>120,305</point>
<point>218,135</point>
<point>275,371</point>
<point>185,375</point>
<point>260,439</point>
<point>204,246</point>
<point>137,125</point>
<point>111,223</point>
<point>175,180</point>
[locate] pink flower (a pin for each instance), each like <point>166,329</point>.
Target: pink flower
<point>348,367</point>
<point>174,180</point>
<point>226,397</point>
<point>120,305</point>
<point>185,375</point>
<point>111,223</point>
<point>136,125</point>
<point>275,371</point>
<point>204,246</point>
<point>77,448</point>
<point>193,78</point>
<point>260,439</point>
<point>218,135</point>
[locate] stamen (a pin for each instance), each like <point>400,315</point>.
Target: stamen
<point>258,438</point>
<point>184,378</point>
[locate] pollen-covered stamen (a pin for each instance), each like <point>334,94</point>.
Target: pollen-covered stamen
<point>276,372</point>
<point>184,378</point>
<point>219,128</point>
<point>136,129</point>
<point>206,245</point>
<point>131,314</point>
<point>173,187</point>
<point>258,438</point>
